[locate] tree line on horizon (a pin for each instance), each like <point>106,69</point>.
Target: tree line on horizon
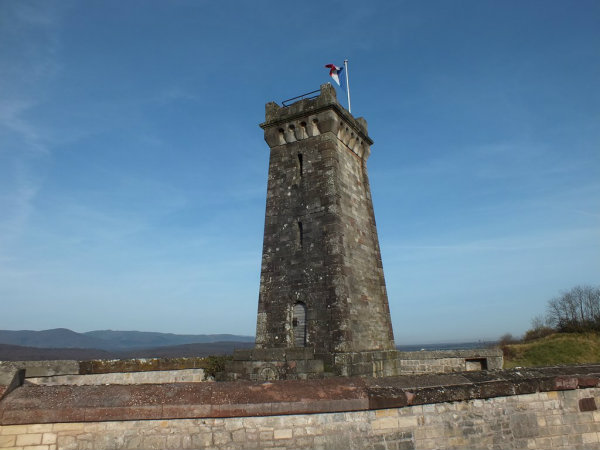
<point>574,311</point>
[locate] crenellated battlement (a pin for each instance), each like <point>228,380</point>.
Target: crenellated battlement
<point>313,117</point>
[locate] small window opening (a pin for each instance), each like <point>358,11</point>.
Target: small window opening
<point>303,133</point>
<point>300,235</point>
<point>476,364</point>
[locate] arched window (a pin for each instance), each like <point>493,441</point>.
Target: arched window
<point>299,324</point>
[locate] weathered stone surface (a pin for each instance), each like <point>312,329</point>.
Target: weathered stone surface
<point>42,368</point>
<point>56,404</point>
<point>145,377</point>
<point>323,307</point>
<point>320,247</point>
<point>10,379</point>
<point>507,422</point>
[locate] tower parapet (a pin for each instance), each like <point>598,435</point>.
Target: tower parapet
<point>313,117</point>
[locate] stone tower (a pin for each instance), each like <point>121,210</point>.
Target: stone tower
<point>322,284</point>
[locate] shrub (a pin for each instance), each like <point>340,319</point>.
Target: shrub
<point>214,365</point>
<point>505,342</point>
<point>538,333</point>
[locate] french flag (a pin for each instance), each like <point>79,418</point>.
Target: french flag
<point>335,73</point>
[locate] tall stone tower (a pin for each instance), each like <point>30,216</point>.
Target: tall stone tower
<point>323,308</point>
<point>322,284</point>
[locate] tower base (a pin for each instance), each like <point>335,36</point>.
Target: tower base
<point>263,364</point>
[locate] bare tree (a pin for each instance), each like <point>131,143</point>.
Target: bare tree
<point>575,310</point>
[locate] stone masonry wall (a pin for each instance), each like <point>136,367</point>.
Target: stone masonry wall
<point>543,420</point>
<point>148,377</point>
<point>320,246</point>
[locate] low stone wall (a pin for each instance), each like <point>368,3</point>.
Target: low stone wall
<point>148,377</point>
<point>445,361</point>
<point>302,363</point>
<point>391,363</point>
<point>97,366</point>
<point>552,408</point>
<point>41,368</point>
<point>543,420</point>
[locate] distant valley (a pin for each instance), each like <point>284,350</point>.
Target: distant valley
<point>62,343</point>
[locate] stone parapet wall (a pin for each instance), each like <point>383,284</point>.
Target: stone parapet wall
<point>445,361</point>
<point>41,368</point>
<point>96,366</point>
<point>148,377</point>
<point>554,407</point>
<point>541,420</point>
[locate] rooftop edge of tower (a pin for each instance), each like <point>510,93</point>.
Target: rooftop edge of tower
<point>276,116</point>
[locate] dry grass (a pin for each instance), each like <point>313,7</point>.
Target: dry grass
<point>558,348</point>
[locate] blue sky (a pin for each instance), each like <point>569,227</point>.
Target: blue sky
<point>133,171</point>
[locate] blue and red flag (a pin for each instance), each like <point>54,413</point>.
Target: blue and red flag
<point>335,72</point>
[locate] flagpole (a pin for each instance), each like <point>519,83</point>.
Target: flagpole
<point>347,85</point>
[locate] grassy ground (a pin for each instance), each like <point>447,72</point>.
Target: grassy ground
<point>559,348</point>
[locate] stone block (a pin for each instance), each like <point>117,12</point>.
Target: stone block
<point>49,438</point>
<point>67,426</point>
<point>221,438</point>
<point>266,435</point>
<point>286,433</point>
<point>299,353</point>
<point>385,423</point>
<point>393,412</point>
<point>173,441</point>
<point>202,440</point>
<point>29,439</point>
<point>13,429</point>
<point>39,428</point>
<point>154,442</point>
<point>239,435</point>
<point>408,421</point>
<point>7,441</point>
<point>589,438</point>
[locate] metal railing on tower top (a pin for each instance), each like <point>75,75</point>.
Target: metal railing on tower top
<point>301,97</point>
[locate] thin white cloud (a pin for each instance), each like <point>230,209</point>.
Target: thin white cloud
<point>12,121</point>
<point>29,40</point>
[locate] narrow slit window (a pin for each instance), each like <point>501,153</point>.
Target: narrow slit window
<point>300,235</point>
<point>300,166</point>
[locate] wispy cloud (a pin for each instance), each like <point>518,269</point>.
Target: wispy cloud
<point>23,131</point>
<point>516,243</point>
<point>29,39</point>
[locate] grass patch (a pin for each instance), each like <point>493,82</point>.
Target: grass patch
<point>558,348</point>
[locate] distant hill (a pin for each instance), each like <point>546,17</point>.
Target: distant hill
<point>146,339</point>
<point>55,338</point>
<point>20,353</point>
<point>109,340</point>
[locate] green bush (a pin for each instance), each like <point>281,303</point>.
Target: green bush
<point>213,365</point>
